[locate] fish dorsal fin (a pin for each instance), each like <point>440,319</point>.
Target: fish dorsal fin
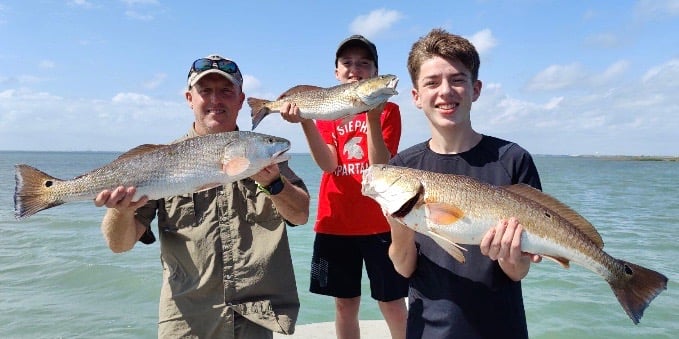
<point>559,208</point>
<point>298,89</point>
<point>141,149</point>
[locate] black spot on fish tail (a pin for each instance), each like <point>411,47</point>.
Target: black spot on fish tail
<point>31,193</point>
<point>635,287</point>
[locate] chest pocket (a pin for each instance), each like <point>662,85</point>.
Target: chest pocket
<point>256,205</point>
<point>187,210</point>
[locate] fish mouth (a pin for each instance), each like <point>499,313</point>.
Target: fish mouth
<point>403,206</point>
<point>393,83</point>
<point>390,88</point>
<point>280,156</point>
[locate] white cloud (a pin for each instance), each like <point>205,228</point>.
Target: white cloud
<point>133,12</point>
<point>81,3</point>
<point>603,40</point>
<point>557,77</point>
<point>46,64</point>
<point>483,40</point>
<point>375,22</point>
<point>626,116</point>
<point>140,2</point>
<point>251,83</point>
<point>574,75</point>
<point>157,80</point>
<point>138,16</point>
<point>2,15</point>
<point>654,9</point>
<point>613,72</point>
<point>131,98</point>
<point>125,121</point>
<point>666,74</point>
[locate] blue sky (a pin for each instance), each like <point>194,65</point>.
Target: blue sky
<point>577,77</point>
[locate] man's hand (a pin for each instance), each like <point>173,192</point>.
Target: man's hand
<point>120,199</point>
<point>267,175</point>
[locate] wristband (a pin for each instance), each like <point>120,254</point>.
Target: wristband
<point>274,187</point>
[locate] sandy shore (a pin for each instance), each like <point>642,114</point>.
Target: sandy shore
<point>374,329</point>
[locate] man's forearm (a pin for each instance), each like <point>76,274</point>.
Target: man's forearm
<point>292,203</point>
<point>121,230</point>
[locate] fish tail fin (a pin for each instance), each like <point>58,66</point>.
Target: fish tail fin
<point>32,191</point>
<point>258,110</point>
<point>636,288</point>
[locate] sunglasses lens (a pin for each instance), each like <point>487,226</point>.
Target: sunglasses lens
<point>202,65</point>
<point>227,66</point>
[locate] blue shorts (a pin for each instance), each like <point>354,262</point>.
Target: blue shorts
<point>337,267</point>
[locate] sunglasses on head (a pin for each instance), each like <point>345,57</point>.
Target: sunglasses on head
<point>204,64</point>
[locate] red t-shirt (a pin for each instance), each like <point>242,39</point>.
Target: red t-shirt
<point>342,209</point>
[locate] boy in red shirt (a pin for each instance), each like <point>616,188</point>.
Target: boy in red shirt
<point>350,228</point>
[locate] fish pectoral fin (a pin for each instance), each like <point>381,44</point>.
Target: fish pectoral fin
<point>450,247</point>
<point>235,166</point>
<point>565,263</point>
<point>443,214</point>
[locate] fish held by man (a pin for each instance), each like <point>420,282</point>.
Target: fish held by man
<point>456,209</point>
<point>156,171</point>
<point>329,103</point>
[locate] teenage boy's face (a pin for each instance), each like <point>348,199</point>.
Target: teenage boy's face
<point>445,92</point>
<point>354,64</point>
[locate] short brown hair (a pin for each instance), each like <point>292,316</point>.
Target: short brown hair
<point>449,46</point>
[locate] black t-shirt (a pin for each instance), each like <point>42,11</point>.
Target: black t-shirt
<point>474,299</point>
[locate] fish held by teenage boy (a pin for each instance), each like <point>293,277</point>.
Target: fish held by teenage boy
<point>329,103</point>
<point>156,171</point>
<point>455,209</point>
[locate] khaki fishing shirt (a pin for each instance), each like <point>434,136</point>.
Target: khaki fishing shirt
<point>223,250</point>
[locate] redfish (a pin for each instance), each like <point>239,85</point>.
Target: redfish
<point>156,171</point>
<point>456,209</point>
<point>331,103</point>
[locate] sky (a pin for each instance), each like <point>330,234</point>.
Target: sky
<point>561,78</point>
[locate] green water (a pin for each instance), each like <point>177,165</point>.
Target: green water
<point>58,278</point>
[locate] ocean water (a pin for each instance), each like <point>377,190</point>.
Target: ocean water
<point>59,280</point>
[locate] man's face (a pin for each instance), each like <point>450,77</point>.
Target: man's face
<point>215,102</point>
<point>445,92</point>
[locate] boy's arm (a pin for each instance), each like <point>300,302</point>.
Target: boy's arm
<point>378,153</point>
<point>402,251</point>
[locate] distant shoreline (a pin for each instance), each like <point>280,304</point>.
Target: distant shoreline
<point>631,157</point>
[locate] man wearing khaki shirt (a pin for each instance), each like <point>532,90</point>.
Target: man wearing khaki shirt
<point>227,270</point>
